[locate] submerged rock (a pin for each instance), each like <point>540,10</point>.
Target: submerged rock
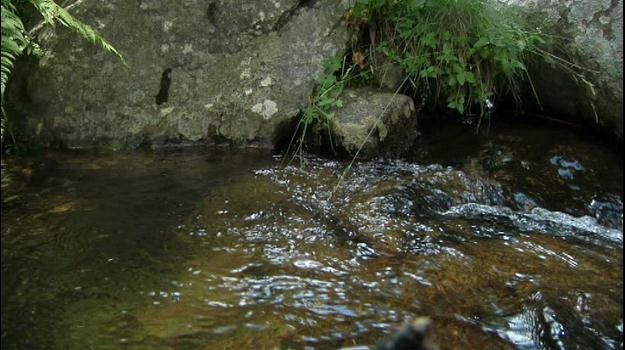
<point>376,123</point>
<point>542,221</point>
<point>413,335</point>
<point>211,71</point>
<point>608,210</point>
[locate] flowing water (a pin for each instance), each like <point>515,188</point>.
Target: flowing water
<point>504,243</point>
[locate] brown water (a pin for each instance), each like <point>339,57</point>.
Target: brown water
<point>208,249</point>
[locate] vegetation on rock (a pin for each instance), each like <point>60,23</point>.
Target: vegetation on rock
<point>318,113</point>
<point>17,40</point>
<point>465,52</point>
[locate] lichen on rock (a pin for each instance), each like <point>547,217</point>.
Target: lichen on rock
<point>591,35</point>
<point>238,70</point>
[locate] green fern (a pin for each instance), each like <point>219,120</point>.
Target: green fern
<point>14,40</point>
<point>52,13</point>
<point>17,41</point>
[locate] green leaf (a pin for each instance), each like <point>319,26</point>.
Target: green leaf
<point>470,77</point>
<point>333,64</point>
<point>429,72</point>
<point>483,41</point>
<point>325,102</point>
<point>451,81</point>
<point>327,80</point>
<point>430,40</point>
<point>460,78</point>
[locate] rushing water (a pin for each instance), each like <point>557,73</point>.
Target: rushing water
<point>504,243</point>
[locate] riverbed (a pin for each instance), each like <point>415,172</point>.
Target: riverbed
<point>507,241</point>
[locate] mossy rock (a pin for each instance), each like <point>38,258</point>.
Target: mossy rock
<point>373,123</point>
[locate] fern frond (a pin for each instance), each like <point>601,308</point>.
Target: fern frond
<point>52,12</point>
<point>14,41</point>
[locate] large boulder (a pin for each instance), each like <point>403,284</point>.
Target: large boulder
<point>373,123</point>
<point>589,33</point>
<point>198,71</point>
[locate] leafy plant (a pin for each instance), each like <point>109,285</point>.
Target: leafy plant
<point>466,51</point>
<point>16,40</point>
<point>327,96</point>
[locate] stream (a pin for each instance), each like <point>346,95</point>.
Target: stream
<point>511,241</point>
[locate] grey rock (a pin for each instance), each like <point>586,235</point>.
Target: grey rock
<point>389,75</point>
<point>593,33</point>
<point>238,70</point>
<point>378,122</point>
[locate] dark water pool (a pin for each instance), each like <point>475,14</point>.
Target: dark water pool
<point>505,243</point>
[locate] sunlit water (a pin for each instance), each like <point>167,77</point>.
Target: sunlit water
<point>504,243</point>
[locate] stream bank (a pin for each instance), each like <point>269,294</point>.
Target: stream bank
<point>219,72</point>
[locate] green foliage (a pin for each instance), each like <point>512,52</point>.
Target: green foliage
<point>14,40</point>
<point>467,51</point>
<point>17,41</point>
<point>318,115</point>
<point>328,92</point>
<point>53,13</point>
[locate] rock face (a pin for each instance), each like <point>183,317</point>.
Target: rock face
<point>392,118</point>
<point>594,33</point>
<point>209,71</point>
<point>389,75</point>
